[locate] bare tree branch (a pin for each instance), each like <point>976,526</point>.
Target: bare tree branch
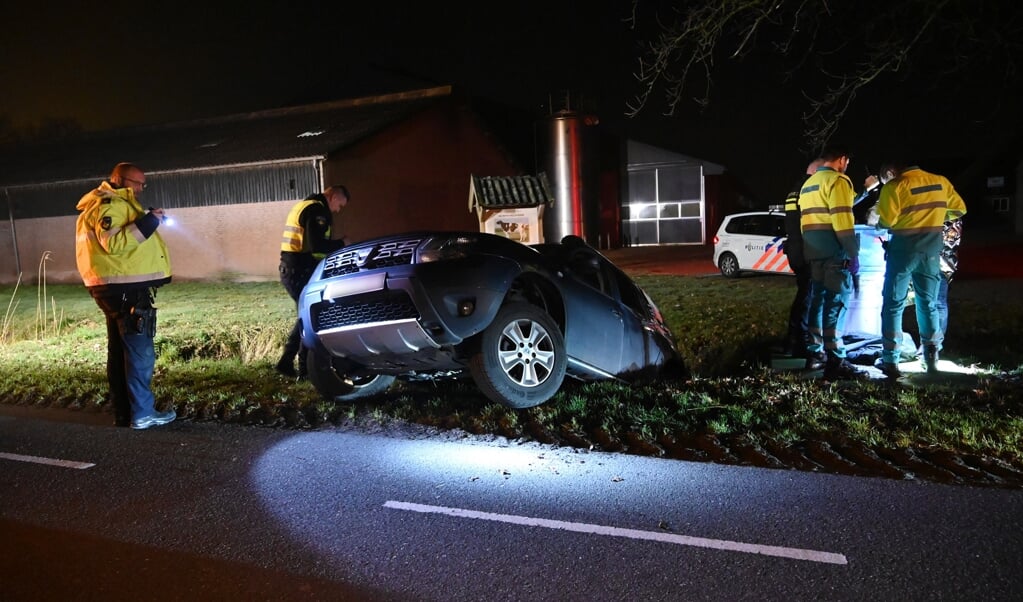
<point>852,45</point>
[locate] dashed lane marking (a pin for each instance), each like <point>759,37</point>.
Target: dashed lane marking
<point>47,461</point>
<point>683,540</point>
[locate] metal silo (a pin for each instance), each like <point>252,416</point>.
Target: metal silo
<point>575,204</point>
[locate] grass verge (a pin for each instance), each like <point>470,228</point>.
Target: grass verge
<point>217,343</point>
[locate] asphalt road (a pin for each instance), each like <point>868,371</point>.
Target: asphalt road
<point>211,511</point>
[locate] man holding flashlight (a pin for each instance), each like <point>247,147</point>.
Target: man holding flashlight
<point>122,260</point>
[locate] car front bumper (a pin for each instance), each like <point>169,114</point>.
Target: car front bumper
<point>403,317</point>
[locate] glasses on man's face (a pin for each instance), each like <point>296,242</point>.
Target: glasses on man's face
<point>141,184</point>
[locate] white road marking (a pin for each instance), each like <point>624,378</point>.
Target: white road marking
<point>684,540</point>
<point>49,461</point>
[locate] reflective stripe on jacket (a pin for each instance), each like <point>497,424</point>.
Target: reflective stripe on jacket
<point>794,242</point>
<point>915,207</point>
<point>295,239</point>
<point>826,215</point>
<point>116,242</point>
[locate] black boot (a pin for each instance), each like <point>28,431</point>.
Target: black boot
<point>890,370</point>
<point>122,412</point>
<point>303,370</point>
<point>839,368</point>
<point>930,358</point>
<point>795,346</point>
<point>814,361</point>
<point>286,366</point>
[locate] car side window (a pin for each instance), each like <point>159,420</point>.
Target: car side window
<point>779,225</point>
<point>759,226</point>
<point>586,267</point>
<point>630,295</point>
<point>738,225</point>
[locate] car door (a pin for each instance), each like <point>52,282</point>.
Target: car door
<point>746,240</point>
<point>768,252</point>
<point>594,319</point>
<point>636,336</point>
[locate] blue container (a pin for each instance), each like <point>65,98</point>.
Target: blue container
<point>863,316</point>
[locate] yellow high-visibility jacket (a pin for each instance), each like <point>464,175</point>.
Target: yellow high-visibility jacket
<point>915,206</point>
<point>826,215</point>
<point>116,242</point>
<point>309,233</point>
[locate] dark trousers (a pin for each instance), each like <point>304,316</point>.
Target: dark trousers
<point>799,313</point>
<point>131,326</point>
<point>294,278</point>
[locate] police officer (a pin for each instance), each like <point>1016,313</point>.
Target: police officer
<point>799,338</point>
<point>914,206</point>
<point>951,234</point>
<point>122,260</point>
<point>832,249</point>
<point>307,239</point>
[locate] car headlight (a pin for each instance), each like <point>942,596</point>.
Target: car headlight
<point>447,248</point>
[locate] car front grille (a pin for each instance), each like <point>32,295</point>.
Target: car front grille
<point>353,259</point>
<point>383,306</point>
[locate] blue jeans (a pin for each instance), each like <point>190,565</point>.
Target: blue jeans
<point>131,356</point>
<point>832,287</point>
<point>941,304</point>
<point>924,271</point>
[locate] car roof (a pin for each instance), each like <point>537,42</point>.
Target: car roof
<point>770,212</point>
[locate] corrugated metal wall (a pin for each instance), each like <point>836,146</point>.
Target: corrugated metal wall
<point>206,203</point>
<point>265,182</point>
<point>222,242</point>
<point>233,185</point>
<point>46,200</point>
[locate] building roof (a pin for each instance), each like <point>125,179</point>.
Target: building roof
<point>265,136</point>
<point>507,192</point>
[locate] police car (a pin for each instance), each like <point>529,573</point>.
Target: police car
<point>752,242</point>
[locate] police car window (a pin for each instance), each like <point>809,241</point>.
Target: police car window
<point>778,224</point>
<point>759,226</point>
<point>740,225</point>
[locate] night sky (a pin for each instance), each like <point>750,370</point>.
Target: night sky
<point>112,64</point>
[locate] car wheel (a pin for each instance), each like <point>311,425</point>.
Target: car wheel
<point>521,362</point>
<point>728,265</point>
<point>328,377</point>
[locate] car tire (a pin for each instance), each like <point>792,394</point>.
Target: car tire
<point>521,361</point>
<point>729,265</point>
<point>335,385</point>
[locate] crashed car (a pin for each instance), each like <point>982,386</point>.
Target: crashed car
<point>515,318</point>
